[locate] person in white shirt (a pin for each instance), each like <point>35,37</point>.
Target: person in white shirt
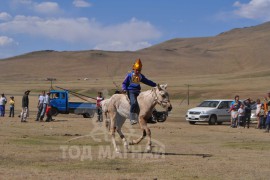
<point>40,105</point>
<point>241,115</point>
<point>46,102</point>
<point>3,101</point>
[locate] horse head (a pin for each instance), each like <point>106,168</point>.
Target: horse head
<point>162,97</point>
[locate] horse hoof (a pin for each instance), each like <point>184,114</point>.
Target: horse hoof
<point>131,143</point>
<point>127,151</point>
<point>149,149</point>
<point>117,151</point>
<point>126,147</point>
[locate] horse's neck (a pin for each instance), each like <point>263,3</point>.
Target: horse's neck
<point>148,97</point>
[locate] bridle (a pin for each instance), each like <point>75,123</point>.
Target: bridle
<point>162,103</point>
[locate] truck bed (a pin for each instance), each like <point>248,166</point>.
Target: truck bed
<point>80,105</point>
<point>85,109</point>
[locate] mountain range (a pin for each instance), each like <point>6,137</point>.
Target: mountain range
<point>240,52</point>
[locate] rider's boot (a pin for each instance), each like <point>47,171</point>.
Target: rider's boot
<point>133,118</point>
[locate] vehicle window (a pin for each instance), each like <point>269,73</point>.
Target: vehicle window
<point>224,105</point>
<point>56,95</point>
<point>63,96</point>
<point>209,104</point>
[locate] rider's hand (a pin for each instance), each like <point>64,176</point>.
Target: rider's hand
<point>124,91</point>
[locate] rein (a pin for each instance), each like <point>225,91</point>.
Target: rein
<point>157,100</point>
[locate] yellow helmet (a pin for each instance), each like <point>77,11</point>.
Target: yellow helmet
<point>137,65</point>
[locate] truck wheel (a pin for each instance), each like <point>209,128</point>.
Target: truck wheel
<point>192,122</point>
<point>86,115</point>
<point>212,120</point>
<point>54,112</point>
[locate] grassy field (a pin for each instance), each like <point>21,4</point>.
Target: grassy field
<point>73,147</point>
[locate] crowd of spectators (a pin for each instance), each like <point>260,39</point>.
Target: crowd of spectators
<point>241,112</point>
<point>43,106</point>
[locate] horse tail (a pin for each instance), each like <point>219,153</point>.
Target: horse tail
<point>104,106</point>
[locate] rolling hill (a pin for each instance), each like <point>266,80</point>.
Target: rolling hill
<point>241,49</point>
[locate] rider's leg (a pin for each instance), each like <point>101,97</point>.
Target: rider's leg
<point>133,107</point>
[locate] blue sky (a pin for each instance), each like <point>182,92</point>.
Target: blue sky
<point>117,25</point>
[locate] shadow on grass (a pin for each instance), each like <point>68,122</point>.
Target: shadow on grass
<point>60,120</point>
<point>173,154</point>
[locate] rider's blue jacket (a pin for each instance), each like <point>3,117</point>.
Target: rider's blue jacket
<point>132,82</point>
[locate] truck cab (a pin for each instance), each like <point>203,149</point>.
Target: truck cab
<point>60,104</point>
<point>59,101</point>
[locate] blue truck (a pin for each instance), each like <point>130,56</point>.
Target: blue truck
<point>60,105</point>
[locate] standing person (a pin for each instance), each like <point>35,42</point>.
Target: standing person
<point>265,105</point>
<point>40,104</point>
<point>241,115</point>
<point>99,109</point>
<point>49,114</point>
<point>3,101</point>
<point>46,103</point>
<point>248,102</point>
<point>131,85</point>
<point>11,106</point>
<point>25,106</point>
<point>258,110</point>
<point>267,123</point>
<point>235,105</point>
<point>262,115</point>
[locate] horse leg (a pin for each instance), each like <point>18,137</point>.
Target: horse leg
<point>122,136</point>
<point>147,133</point>
<point>107,121</point>
<point>113,141</point>
<point>120,121</point>
<point>137,141</point>
<point>149,143</point>
<point>112,129</point>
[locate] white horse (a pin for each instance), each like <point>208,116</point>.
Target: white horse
<point>118,110</point>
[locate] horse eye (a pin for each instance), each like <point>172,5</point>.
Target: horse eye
<point>163,95</point>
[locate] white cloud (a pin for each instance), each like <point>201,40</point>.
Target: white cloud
<point>5,16</point>
<point>255,9</point>
<point>122,45</point>
<point>130,35</point>
<point>26,2</point>
<point>46,7</point>
<point>6,41</point>
<point>81,3</point>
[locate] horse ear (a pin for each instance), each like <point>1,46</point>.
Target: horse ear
<point>165,86</point>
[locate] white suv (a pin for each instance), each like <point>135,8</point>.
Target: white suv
<point>211,111</point>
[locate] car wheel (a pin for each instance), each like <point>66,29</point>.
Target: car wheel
<point>212,120</point>
<point>192,122</point>
<point>86,115</point>
<point>219,123</point>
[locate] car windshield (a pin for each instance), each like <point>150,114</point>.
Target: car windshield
<point>209,104</point>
